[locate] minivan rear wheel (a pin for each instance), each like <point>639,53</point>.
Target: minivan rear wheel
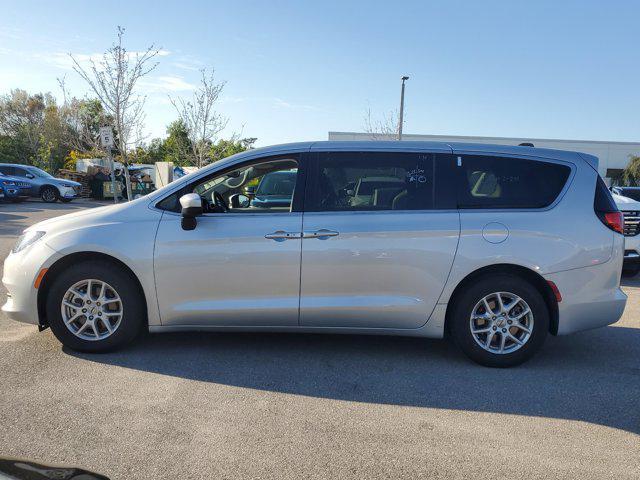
<point>500,320</point>
<point>94,306</point>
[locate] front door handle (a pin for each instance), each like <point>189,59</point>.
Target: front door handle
<point>321,234</point>
<point>281,235</point>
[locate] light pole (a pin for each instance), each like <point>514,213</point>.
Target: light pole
<point>401,119</point>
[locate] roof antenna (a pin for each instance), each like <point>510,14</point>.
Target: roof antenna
<point>525,144</point>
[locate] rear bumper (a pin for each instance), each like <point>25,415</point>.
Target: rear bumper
<point>591,296</point>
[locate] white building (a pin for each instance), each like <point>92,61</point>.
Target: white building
<point>614,156</point>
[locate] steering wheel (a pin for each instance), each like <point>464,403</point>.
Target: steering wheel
<point>218,201</point>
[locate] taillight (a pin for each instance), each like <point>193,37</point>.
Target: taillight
<point>614,220</point>
<point>606,209</point>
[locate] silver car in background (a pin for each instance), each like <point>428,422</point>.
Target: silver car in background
<point>42,184</point>
<point>495,246</point>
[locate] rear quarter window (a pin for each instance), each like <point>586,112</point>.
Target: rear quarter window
<point>507,182</point>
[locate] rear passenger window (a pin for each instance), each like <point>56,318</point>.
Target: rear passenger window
<point>372,181</point>
<point>502,182</point>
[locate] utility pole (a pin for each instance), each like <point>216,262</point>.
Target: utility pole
<point>401,119</point>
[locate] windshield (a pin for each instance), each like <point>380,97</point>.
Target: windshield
<point>281,183</point>
<point>40,173</point>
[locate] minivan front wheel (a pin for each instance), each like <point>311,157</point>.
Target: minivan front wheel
<point>94,306</point>
<point>500,321</point>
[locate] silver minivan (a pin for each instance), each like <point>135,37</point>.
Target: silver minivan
<point>494,246</point>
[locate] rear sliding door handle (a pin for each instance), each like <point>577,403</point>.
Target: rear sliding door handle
<point>321,234</point>
<point>281,235</point>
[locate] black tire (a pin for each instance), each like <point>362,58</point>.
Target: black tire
<point>630,271</point>
<point>133,317</point>
<point>65,200</point>
<point>464,305</point>
<point>49,195</point>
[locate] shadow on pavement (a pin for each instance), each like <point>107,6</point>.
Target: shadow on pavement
<point>12,215</point>
<point>11,224</point>
<point>630,281</point>
<point>592,376</point>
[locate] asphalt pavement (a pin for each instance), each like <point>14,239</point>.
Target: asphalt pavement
<point>318,406</point>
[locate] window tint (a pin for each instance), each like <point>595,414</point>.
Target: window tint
<point>372,181</point>
<point>6,170</point>
<point>19,172</point>
<point>501,182</point>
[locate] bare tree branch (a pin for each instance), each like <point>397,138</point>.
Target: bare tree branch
<point>202,122</point>
<point>382,129</point>
<point>113,79</point>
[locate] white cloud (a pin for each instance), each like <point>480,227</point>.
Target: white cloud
<point>166,83</point>
<point>63,61</point>
<point>278,102</point>
<point>273,101</point>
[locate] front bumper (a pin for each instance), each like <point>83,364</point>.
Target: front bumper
<point>13,192</point>
<point>68,192</point>
<point>20,272</point>
<point>631,251</point>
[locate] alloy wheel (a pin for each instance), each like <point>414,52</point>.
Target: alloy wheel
<point>91,309</point>
<point>48,195</point>
<point>501,322</point>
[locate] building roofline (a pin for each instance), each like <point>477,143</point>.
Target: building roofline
<point>471,138</point>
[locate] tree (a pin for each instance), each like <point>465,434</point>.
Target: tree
<point>177,146</point>
<point>33,129</point>
<point>84,118</point>
<point>631,174</point>
<point>22,118</point>
<point>12,150</point>
<point>226,148</point>
<point>113,80</point>
<point>202,122</point>
<point>382,129</point>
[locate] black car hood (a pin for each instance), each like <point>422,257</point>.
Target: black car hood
<point>13,468</point>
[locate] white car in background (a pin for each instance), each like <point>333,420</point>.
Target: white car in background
<point>630,208</point>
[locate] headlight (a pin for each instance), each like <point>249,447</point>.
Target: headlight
<point>8,182</point>
<point>26,239</point>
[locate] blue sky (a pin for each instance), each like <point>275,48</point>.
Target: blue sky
<point>296,70</point>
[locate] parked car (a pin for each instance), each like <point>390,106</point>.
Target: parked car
<point>498,246</point>
<point>630,192</point>
<point>275,190</point>
<point>13,189</point>
<point>41,184</point>
<point>630,209</point>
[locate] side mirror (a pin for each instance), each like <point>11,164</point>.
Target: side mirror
<point>250,191</point>
<point>350,193</point>
<point>239,200</point>
<point>30,175</point>
<point>191,208</point>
